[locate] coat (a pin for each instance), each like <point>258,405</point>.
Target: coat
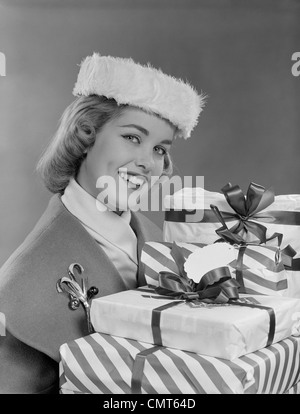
<point>38,319</point>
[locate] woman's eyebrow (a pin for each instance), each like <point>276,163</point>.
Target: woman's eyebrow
<point>145,132</point>
<point>167,142</point>
<point>140,128</point>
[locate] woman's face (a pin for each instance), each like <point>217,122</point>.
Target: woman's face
<point>127,152</point>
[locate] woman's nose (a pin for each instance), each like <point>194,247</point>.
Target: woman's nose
<point>145,162</point>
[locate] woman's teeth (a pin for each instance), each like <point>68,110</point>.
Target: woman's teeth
<point>132,180</point>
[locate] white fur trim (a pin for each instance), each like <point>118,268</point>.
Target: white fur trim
<point>141,86</point>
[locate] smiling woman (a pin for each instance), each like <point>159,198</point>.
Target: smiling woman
<point>134,152</point>
<point>82,122</point>
<point>120,126</point>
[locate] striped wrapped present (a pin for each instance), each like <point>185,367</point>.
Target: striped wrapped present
<point>104,364</point>
<point>257,268</point>
<point>185,223</point>
<point>219,330</point>
<point>295,389</point>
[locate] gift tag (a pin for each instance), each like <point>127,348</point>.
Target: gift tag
<point>208,258</point>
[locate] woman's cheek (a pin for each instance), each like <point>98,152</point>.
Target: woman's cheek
<point>159,167</point>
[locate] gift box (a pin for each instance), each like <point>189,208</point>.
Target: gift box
<point>104,364</point>
<point>190,218</point>
<point>295,389</point>
<point>258,269</point>
<point>226,330</point>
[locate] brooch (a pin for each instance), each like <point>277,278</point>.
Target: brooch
<point>77,294</point>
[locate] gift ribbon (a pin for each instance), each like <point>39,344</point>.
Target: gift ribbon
<point>244,209</point>
<point>138,369</point>
<point>216,286</point>
<point>156,317</point>
<point>289,218</point>
<point>257,199</point>
<point>239,268</point>
<point>295,265</point>
<point>271,313</point>
<point>140,359</point>
<point>286,255</point>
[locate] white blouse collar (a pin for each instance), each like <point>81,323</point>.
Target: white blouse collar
<point>107,224</point>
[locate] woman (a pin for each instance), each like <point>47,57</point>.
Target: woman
<point>118,131</point>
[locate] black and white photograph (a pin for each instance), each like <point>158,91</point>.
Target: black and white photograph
<point>150,199</point>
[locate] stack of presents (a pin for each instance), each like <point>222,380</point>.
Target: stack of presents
<point>220,313</point>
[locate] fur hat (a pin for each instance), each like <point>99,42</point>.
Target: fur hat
<point>141,86</point>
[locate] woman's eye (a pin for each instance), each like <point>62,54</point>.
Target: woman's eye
<point>160,150</point>
<point>131,138</point>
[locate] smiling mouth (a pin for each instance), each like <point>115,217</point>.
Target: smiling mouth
<point>133,181</point>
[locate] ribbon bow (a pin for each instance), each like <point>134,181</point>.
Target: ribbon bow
<point>247,207</point>
<point>77,294</point>
<point>216,286</point>
<point>286,255</point>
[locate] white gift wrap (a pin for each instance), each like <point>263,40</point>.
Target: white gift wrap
<point>259,277</point>
<point>224,331</point>
<point>201,232</point>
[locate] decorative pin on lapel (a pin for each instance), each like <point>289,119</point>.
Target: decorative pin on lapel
<point>77,293</point>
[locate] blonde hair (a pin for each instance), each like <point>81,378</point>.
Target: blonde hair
<point>79,125</point>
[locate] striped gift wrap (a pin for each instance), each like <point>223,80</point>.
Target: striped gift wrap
<point>104,364</point>
<point>260,273</point>
<point>295,389</point>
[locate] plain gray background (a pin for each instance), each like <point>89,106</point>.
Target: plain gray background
<point>237,52</point>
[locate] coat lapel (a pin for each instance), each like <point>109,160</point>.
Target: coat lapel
<point>36,313</point>
<point>42,318</point>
